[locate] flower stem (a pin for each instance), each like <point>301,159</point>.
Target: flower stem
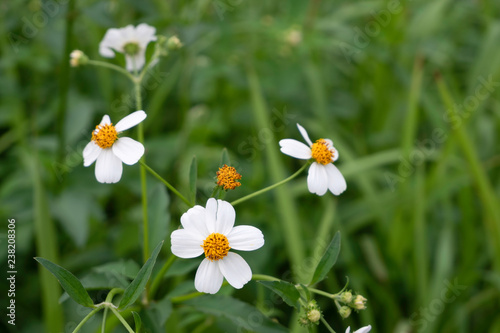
<point>87,317</point>
<point>113,67</point>
<point>109,298</point>
<point>167,184</point>
<point>124,322</point>
<point>327,325</point>
<point>263,277</point>
<point>160,275</point>
<point>264,190</point>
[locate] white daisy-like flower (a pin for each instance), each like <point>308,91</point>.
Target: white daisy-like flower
<point>211,231</point>
<point>323,175</point>
<point>131,41</point>
<point>361,330</point>
<point>109,150</point>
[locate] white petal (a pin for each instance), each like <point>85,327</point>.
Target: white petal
<point>235,269</point>
<point>128,150</point>
<point>195,220</point>
<point>245,238</point>
<point>145,34</point>
<point>105,120</point>
<point>335,151</point>
<point>224,220</point>
<point>295,149</point>
<point>364,329</point>
<point>135,62</point>
<point>112,40</point>
<point>208,277</point>
<point>108,168</point>
<point>186,244</point>
<point>317,179</point>
<point>90,153</point>
<point>130,121</point>
<point>348,330</point>
<point>210,214</point>
<point>336,182</point>
<point>304,134</point>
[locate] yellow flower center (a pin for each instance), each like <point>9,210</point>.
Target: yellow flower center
<point>104,135</point>
<point>321,152</point>
<point>216,246</point>
<point>227,178</point>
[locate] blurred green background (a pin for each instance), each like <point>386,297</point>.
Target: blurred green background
<point>407,91</point>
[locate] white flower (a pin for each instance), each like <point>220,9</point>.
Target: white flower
<point>323,175</point>
<point>210,231</point>
<point>110,150</point>
<point>130,41</point>
<point>361,330</point>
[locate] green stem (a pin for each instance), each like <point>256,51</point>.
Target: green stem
<point>113,67</point>
<point>109,298</point>
<point>321,292</point>
<point>87,317</point>
<point>160,275</point>
<point>186,297</point>
<point>167,184</point>
<point>264,190</point>
<point>327,325</point>
<point>124,322</point>
<point>263,277</point>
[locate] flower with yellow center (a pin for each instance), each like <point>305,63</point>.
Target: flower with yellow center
<point>323,175</point>
<point>227,178</point>
<point>109,150</point>
<point>210,231</point>
<point>131,41</point>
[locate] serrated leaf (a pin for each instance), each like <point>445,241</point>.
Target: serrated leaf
<point>225,158</point>
<point>327,261</point>
<point>193,175</point>
<point>137,321</point>
<point>158,213</point>
<point>136,287</point>
<point>285,290</point>
<point>69,282</point>
<point>244,315</point>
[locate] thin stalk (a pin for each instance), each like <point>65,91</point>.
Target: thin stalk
<point>263,277</point>
<point>264,190</point>
<point>167,184</point>
<point>113,67</point>
<point>327,325</point>
<point>160,275</point>
<point>109,298</point>
<point>123,321</point>
<point>87,317</point>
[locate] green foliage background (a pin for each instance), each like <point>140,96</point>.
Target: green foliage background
<point>397,85</point>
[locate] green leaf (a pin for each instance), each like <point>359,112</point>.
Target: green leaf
<point>136,287</point>
<point>137,321</point>
<point>128,268</point>
<point>244,315</point>
<point>162,310</point>
<point>328,260</point>
<point>159,216</point>
<point>69,282</point>
<point>306,292</point>
<point>285,290</point>
<point>225,158</point>
<point>193,175</point>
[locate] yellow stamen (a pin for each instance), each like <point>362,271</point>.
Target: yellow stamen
<point>216,246</point>
<point>104,135</point>
<point>321,152</point>
<point>227,178</point>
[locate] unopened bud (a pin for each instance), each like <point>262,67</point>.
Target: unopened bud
<point>345,312</point>
<point>314,316</point>
<point>359,303</point>
<point>77,58</point>
<point>346,297</point>
<point>174,43</point>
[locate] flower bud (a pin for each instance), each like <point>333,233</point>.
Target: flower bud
<point>345,312</point>
<point>77,58</point>
<point>314,316</point>
<point>346,297</point>
<point>359,303</point>
<point>174,43</point>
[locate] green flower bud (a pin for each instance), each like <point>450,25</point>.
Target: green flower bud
<point>174,43</point>
<point>77,58</point>
<point>346,297</point>
<point>345,312</point>
<point>314,316</point>
<point>359,303</point>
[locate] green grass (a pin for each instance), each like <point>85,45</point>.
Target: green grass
<point>421,207</point>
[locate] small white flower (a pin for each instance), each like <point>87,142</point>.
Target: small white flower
<point>130,40</point>
<point>110,150</point>
<point>323,175</point>
<point>361,330</point>
<point>211,231</point>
